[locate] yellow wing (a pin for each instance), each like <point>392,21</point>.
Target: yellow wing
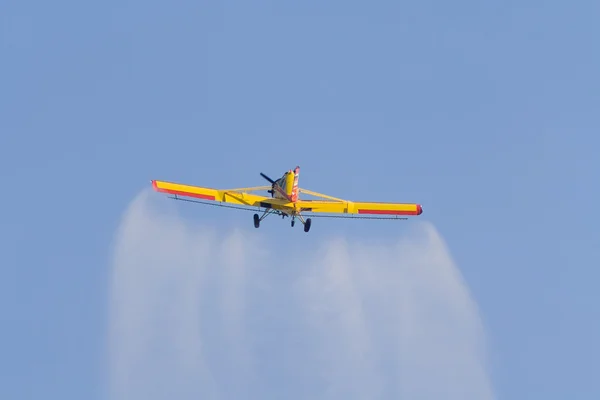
<point>235,196</point>
<point>339,206</point>
<point>242,196</point>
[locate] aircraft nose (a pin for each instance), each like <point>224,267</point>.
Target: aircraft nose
<point>419,209</point>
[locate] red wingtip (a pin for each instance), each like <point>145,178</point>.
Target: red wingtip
<point>419,209</point>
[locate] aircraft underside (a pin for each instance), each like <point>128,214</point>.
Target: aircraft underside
<point>294,215</point>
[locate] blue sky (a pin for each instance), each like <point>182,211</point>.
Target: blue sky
<point>486,114</point>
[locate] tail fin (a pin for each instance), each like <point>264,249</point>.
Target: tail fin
<point>291,184</point>
<point>294,192</point>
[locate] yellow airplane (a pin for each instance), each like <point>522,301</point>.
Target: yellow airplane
<point>284,201</point>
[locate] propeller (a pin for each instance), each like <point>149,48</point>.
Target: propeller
<point>267,178</point>
<point>272,183</point>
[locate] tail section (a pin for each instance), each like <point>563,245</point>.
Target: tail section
<point>294,191</point>
<point>291,184</point>
<point>285,187</point>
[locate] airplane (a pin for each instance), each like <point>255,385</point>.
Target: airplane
<point>284,201</point>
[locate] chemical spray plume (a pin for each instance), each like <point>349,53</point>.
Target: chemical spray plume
<point>156,350</point>
<point>196,315</point>
<point>395,321</point>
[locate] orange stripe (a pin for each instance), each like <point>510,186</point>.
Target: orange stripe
<point>391,212</point>
<point>418,211</point>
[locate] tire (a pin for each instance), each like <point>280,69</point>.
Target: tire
<point>307,225</point>
<point>256,221</point>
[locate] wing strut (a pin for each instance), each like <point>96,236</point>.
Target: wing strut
<point>321,195</point>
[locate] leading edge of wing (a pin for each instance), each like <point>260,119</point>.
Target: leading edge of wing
<point>204,193</point>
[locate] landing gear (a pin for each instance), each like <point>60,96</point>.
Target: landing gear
<point>307,225</point>
<point>306,222</point>
<point>256,221</point>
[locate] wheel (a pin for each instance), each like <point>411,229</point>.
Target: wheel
<point>293,222</point>
<point>307,225</point>
<point>256,221</point>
